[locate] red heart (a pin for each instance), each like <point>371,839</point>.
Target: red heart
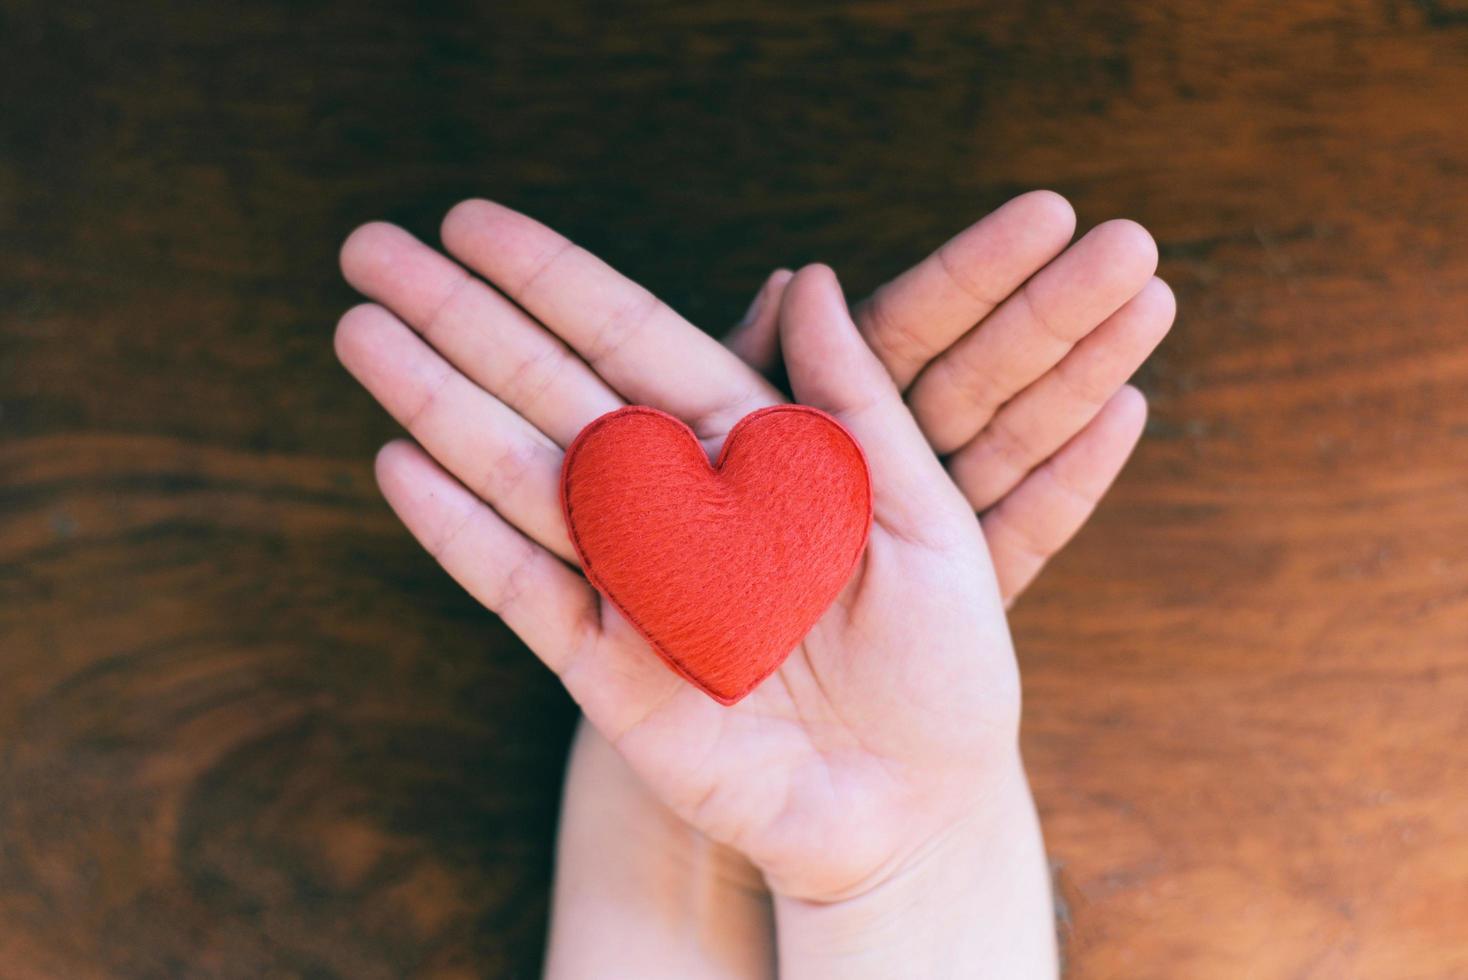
<point>723,569</point>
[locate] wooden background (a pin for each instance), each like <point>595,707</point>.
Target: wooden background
<point>247,729</point>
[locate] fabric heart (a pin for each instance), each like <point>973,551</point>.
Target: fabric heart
<point>723,569</point>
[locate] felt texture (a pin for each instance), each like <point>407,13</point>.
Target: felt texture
<point>722,568</point>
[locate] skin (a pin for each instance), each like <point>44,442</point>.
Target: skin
<point>633,878</point>
<point>923,747</point>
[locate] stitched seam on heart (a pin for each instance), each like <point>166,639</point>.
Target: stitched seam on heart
<point>596,581</point>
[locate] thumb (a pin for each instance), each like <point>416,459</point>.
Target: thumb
<point>754,339</point>
<point>831,368</point>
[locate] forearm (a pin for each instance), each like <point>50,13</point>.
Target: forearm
<point>640,894</point>
<point>977,905</point>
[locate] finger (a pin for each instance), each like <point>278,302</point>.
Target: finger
<point>831,368</point>
<point>916,316</point>
<point>489,339</point>
<point>548,605</point>
<point>755,339</point>
<point>640,347</point>
<point>545,602</point>
<point>957,394</point>
<point>1036,520</point>
<point>487,446</point>
<point>1043,417</point>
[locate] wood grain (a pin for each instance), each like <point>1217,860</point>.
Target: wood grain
<point>248,730</point>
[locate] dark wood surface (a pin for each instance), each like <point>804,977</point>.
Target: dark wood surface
<point>248,730</point>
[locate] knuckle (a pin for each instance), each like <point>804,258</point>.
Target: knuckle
<point>509,469</point>
<point>963,281</point>
<point>440,548</point>
<point>428,401</point>
<point>1012,449</point>
<point>1042,317</point>
<point>521,291</point>
<point>515,582</point>
<point>1015,536</point>
<point>1088,390</point>
<point>621,325</point>
<point>529,380</point>
<point>892,336</point>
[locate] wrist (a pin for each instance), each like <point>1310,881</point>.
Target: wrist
<point>613,816</point>
<point>975,902</point>
<point>640,893</point>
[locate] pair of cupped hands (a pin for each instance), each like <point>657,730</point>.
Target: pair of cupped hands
<point>987,386</point>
